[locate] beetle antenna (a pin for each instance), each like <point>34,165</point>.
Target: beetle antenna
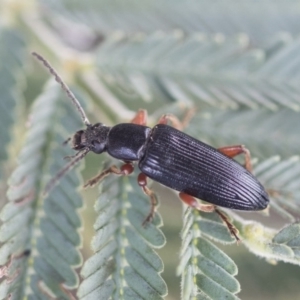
<point>64,87</point>
<point>50,185</point>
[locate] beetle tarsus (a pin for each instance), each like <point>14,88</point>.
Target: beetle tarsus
<point>232,229</point>
<point>142,182</point>
<point>154,202</point>
<point>148,219</point>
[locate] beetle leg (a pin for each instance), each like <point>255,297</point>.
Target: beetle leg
<point>67,141</point>
<point>142,182</point>
<point>191,201</point>
<point>233,231</point>
<point>125,169</point>
<point>232,151</point>
<point>176,123</point>
<point>140,118</point>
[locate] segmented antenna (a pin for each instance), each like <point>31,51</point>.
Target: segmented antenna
<point>50,185</point>
<point>64,87</point>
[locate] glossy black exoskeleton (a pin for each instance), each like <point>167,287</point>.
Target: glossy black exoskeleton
<point>179,162</point>
<point>172,158</point>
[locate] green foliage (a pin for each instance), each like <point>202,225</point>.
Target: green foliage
<point>12,51</point>
<point>202,263</point>
<point>124,265</point>
<point>47,227</point>
<point>221,72</point>
<point>229,60</point>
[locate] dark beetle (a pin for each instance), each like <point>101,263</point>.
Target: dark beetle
<point>179,162</point>
<point>172,158</point>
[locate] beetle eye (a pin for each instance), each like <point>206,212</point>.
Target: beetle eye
<point>78,140</point>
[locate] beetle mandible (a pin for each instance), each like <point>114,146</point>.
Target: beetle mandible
<point>174,159</point>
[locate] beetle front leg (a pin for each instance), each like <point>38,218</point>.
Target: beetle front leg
<point>232,151</point>
<point>193,202</point>
<point>125,169</point>
<point>142,182</point>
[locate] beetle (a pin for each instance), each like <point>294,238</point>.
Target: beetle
<point>172,158</point>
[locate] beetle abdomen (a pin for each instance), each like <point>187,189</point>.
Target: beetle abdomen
<point>185,164</point>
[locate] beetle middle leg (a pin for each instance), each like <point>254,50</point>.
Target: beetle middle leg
<point>193,202</point>
<point>142,182</point>
<point>232,151</point>
<point>125,169</point>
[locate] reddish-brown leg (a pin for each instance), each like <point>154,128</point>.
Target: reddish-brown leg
<point>191,201</point>
<point>232,151</point>
<point>176,123</point>
<point>140,118</point>
<point>125,169</point>
<point>233,231</point>
<point>142,182</point>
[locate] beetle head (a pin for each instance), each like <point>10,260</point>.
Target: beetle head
<point>94,138</point>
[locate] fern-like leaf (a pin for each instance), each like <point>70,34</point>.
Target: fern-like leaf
<point>243,81</point>
<point>206,271</point>
<point>256,129</point>
<point>12,51</point>
<point>270,244</point>
<point>124,265</point>
<point>213,71</point>
<point>281,179</point>
<point>43,228</point>
<point>200,275</point>
<point>230,17</point>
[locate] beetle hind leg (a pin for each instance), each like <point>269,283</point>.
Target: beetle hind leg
<point>193,202</point>
<point>142,182</point>
<point>232,151</point>
<point>233,231</point>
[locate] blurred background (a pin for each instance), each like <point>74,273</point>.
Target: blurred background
<point>237,63</point>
